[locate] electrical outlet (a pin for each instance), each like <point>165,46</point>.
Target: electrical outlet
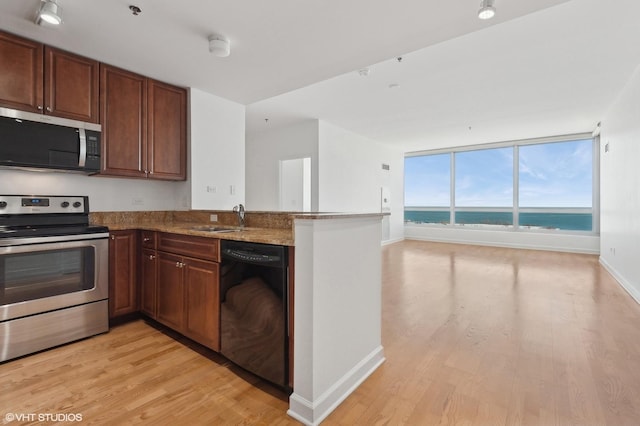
<point>213,218</point>
<point>211,188</point>
<point>137,201</point>
<point>232,189</point>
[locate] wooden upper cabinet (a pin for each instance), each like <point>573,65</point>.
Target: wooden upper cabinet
<point>123,108</point>
<point>71,86</point>
<point>144,131</point>
<point>167,125</point>
<point>45,80</point>
<point>21,73</point>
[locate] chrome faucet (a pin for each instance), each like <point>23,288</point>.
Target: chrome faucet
<point>239,210</point>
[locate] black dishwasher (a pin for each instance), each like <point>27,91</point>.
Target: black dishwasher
<point>254,308</point>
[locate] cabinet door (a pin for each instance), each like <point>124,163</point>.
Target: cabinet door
<point>71,86</point>
<point>202,302</point>
<point>123,109</point>
<point>122,273</point>
<point>149,273</point>
<point>170,297</point>
<point>21,79</point>
<point>167,144</point>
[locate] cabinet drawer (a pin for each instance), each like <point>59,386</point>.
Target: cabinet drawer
<point>198,247</point>
<point>148,239</point>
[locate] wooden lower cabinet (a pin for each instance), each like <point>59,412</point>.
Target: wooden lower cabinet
<point>123,256</point>
<point>148,282</point>
<point>187,295</point>
<point>202,302</point>
<point>170,287</point>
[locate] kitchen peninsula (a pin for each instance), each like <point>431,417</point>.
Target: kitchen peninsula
<point>337,297</point>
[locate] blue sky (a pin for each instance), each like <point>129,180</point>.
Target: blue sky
<point>558,174</point>
<point>551,175</point>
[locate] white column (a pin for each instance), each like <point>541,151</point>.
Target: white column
<point>337,341</point>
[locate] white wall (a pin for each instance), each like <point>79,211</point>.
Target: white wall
<point>292,184</point>
<point>620,188</point>
<point>264,151</point>
<point>346,170</point>
<point>105,194</point>
<point>217,152</point>
<point>351,176</point>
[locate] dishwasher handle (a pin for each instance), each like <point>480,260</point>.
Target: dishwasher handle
<point>250,256</point>
<point>255,253</point>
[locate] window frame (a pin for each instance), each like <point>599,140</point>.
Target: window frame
<point>594,210</point>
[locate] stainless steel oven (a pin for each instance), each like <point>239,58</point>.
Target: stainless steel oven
<point>53,273</point>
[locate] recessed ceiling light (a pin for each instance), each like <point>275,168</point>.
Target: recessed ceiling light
<point>487,10</point>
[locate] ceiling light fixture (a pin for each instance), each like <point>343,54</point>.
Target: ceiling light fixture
<point>49,12</point>
<point>487,10</point>
<point>219,46</point>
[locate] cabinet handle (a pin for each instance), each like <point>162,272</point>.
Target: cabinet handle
<point>113,237</point>
<point>39,107</point>
<point>151,257</point>
<point>49,109</point>
<point>146,239</point>
<point>177,264</point>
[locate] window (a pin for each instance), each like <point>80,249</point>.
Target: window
<point>427,188</point>
<point>521,185</point>
<point>556,188</point>
<point>484,187</point>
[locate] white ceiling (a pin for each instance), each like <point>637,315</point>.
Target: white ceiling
<point>540,67</point>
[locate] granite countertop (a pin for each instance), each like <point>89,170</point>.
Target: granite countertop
<point>262,227</point>
<point>282,237</point>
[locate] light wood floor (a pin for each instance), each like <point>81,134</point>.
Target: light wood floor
<point>472,336</point>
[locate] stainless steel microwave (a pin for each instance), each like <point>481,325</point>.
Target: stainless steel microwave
<point>35,141</point>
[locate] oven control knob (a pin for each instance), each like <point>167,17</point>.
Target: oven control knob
<point>77,204</point>
<point>3,204</point>
<point>64,204</point>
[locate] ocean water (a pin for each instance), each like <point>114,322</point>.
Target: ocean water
<point>564,221</point>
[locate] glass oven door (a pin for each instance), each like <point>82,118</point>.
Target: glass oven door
<point>36,278</point>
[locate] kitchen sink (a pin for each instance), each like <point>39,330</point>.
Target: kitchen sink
<point>208,228</point>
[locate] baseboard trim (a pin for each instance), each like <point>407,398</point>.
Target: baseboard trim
<point>626,285</point>
<point>395,240</point>
<point>312,413</point>
<point>504,244</point>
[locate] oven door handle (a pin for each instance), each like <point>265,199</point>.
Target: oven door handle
<point>23,241</point>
